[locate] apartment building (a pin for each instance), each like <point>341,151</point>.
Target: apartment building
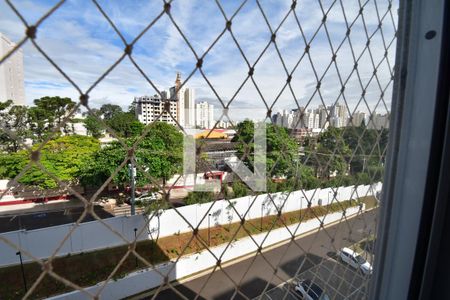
<point>180,101</point>
<point>11,73</point>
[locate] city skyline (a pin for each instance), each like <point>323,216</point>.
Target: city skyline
<point>322,117</point>
<point>225,69</point>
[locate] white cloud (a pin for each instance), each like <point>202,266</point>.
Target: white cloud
<point>83,44</point>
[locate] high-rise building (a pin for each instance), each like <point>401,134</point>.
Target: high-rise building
<point>176,93</point>
<point>181,101</point>
<point>151,108</point>
<point>189,106</point>
<point>287,118</point>
<point>378,121</point>
<point>185,98</point>
<point>338,115</point>
<point>204,115</point>
<point>277,119</point>
<point>309,119</point>
<point>11,73</point>
<point>323,117</point>
<point>357,119</point>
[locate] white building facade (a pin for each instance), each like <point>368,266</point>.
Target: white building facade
<point>378,121</point>
<point>189,105</point>
<point>11,73</point>
<point>204,115</point>
<point>181,106</point>
<point>151,108</point>
<point>338,115</point>
<point>357,119</point>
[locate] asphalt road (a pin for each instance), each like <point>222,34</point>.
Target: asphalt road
<point>255,275</point>
<point>47,219</point>
<point>338,281</point>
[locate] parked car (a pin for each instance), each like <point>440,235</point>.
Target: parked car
<point>145,197</point>
<point>308,290</point>
<point>151,196</point>
<point>355,260</point>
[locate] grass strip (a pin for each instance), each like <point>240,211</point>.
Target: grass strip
<point>87,269</point>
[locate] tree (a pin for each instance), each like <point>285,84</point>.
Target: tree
<point>93,125</point>
<point>282,150</point>
<point>48,113</point>
<point>132,107</point>
<point>368,146</point>
<point>125,124</point>
<point>331,154</point>
<point>102,164</point>
<point>63,157</point>
<point>110,110</point>
<point>14,120</point>
<point>159,153</point>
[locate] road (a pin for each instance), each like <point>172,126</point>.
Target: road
<point>47,218</point>
<point>256,274</point>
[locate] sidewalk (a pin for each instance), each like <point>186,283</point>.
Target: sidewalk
<point>28,208</point>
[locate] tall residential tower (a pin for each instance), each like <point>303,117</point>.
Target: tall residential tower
<point>11,73</point>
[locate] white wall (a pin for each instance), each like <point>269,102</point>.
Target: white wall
<point>175,221</point>
<point>42,243</point>
<point>190,264</point>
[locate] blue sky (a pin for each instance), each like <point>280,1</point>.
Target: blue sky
<point>84,45</point>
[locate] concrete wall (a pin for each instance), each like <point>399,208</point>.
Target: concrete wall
<point>190,264</point>
<point>42,243</point>
<point>89,236</point>
<point>222,211</point>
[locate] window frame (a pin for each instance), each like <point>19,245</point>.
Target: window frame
<point>418,77</point>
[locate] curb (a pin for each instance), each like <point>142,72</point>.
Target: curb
<point>238,259</point>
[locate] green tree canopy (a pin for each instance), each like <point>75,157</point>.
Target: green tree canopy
<point>331,153</point>
<point>92,123</point>
<point>108,111</point>
<point>47,113</point>
<point>161,150</point>
<point>282,150</point>
<point>14,119</point>
<point>159,153</point>
<point>63,157</point>
<point>125,124</point>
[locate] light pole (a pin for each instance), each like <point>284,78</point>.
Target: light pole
<point>262,213</point>
<point>23,271</point>
<point>209,230</point>
<point>135,257</point>
<point>300,210</point>
<point>132,172</point>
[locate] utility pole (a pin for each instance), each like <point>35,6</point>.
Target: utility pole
<point>209,230</point>
<point>23,271</point>
<point>132,172</point>
<point>136,259</point>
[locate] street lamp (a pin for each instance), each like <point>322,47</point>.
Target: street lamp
<point>23,271</point>
<point>300,210</point>
<point>262,213</point>
<point>132,172</point>
<point>209,230</point>
<point>135,257</point>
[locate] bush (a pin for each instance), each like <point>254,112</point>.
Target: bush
<point>199,197</point>
<point>240,189</point>
<point>152,206</point>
